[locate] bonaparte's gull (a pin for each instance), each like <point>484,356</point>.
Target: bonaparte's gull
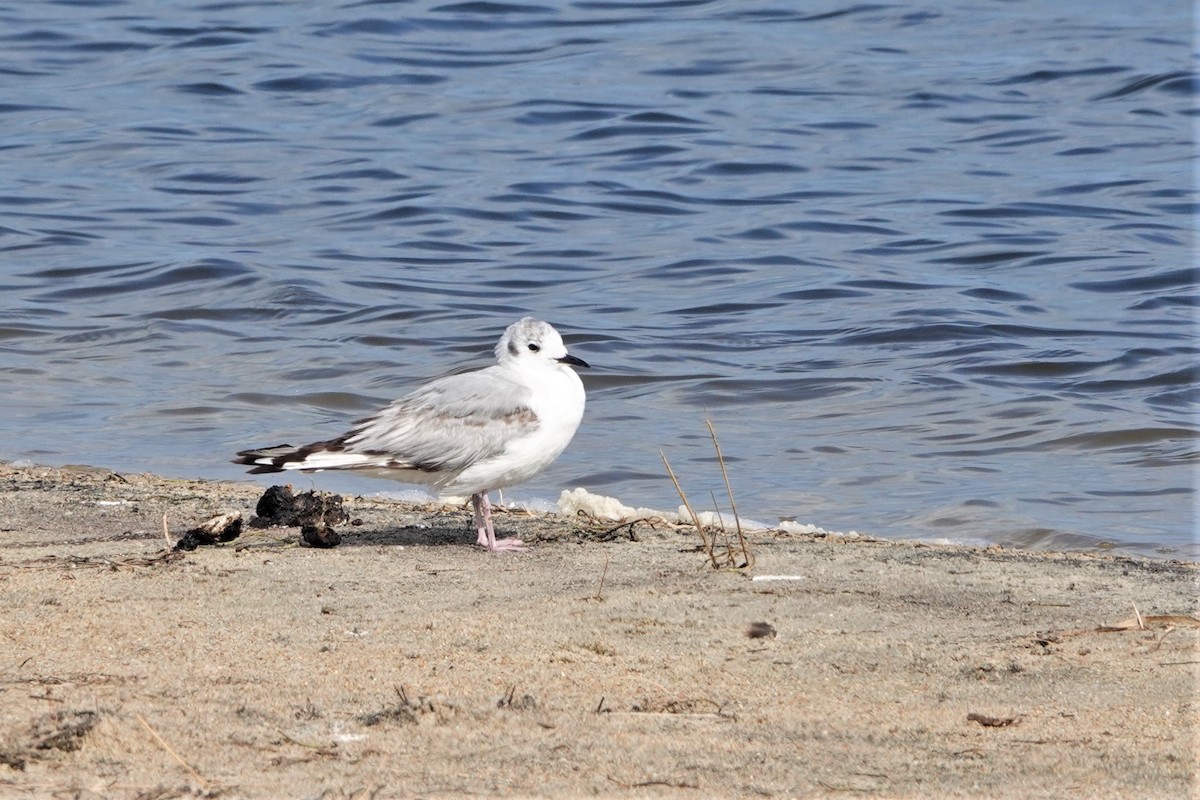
<point>463,434</point>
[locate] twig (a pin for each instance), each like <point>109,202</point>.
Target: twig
<point>992,722</point>
<point>1158,644</point>
<point>173,754</point>
<point>320,748</point>
<point>686,504</point>
<point>720,516</point>
<point>730,560</point>
<point>1141,623</point>
<point>684,707</point>
<point>645,784</point>
<point>737,521</point>
<point>606,535</point>
<point>600,590</point>
<point>831,787</point>
<point>167,533</point>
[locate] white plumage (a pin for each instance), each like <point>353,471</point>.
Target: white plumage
<point>463,434</point>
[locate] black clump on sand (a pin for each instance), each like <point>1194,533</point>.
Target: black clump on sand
<point>314,513</point>
<point>221,528</point>
<point>319,536</point>
<point>276,502</point>
<point>280,507</point>
<point>761,630</point>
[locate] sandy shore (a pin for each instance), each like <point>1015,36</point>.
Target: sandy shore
<point>406,662</point>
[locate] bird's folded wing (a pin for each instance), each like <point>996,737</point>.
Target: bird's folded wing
<point>447,425</point>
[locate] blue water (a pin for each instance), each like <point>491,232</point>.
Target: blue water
<point>929,268</point>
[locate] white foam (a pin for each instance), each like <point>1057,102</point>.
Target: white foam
<point>573,501</point>
<point>789,526</point>
<point>539,505</point>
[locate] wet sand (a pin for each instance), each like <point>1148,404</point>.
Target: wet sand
<point>606,661</point>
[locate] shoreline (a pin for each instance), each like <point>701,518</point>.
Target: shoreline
<point>610,659</point>
<point>331,482</point>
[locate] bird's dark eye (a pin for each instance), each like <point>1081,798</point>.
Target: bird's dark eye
<point>533,346</point>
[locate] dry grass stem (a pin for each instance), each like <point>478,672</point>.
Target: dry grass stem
<point>603,575</point>
<point>691,512</point>
<point>717,510</point>
<point>320,748</point>
<point>1142,622</point>
<point>173,754</point>
<point>724,531</point>
<point>737,520</point>
<point>710,543</point>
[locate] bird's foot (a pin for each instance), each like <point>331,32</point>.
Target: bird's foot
<point>506,546</point>
<point>486,534</point>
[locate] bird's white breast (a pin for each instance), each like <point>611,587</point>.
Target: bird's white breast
<point>558,401</point>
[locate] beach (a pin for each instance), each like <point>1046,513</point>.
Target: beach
<point>608,660</point>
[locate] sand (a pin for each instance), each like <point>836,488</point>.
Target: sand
<point>606,661</point>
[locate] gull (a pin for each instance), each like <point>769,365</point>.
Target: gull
<point>463,434</point>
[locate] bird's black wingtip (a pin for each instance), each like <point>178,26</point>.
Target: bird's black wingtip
<point>253,458</point>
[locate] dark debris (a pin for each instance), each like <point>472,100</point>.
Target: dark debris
<point>279,506</point>
<point>761,630</point>
<point>221,528</point>
<point>319,536</point>
<point>60,730</point>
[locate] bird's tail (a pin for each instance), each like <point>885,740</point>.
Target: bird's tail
<point>309,458</point>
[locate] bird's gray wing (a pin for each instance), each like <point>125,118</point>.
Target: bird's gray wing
<point>449,424</point>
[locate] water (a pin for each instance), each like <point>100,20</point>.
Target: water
<point>930,269</point>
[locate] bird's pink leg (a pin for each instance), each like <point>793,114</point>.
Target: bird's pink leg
<point>480,502</point>
<point>483,526</point>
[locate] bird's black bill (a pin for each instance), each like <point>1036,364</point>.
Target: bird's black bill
<point>573,361</point>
